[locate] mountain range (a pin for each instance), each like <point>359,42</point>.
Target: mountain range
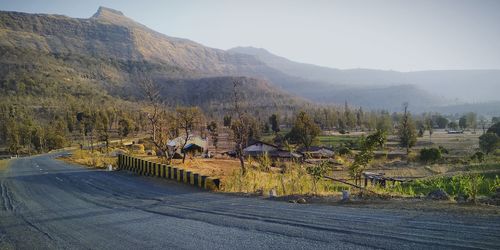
<point>108,51</point>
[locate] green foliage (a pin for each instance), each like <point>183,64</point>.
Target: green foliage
<point>443,150</point>
<point>273,120</point>
<point>441,122</point>
<point>470,185</point>
<point>343,150</point>
<point>227,121</point>
<point>478,156</point>
<point>406,131</point>
<point>430,155</point>
<point>304,130</point>
<point>495,128</point>
<point>124,127</point>
<point>489,142</point>
<point>363,158</point>
<point>462,122</point>
<point>317,172</point>
<point>453,126</point>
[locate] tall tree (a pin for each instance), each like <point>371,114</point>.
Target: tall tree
<point>441,121</point>
<point>304,130</point>
<point>162,123</point>
<point>363,158</point>
<point>214,134</point>
<point>471,118</point>
<point>240,127</point>
<point>273,120</point>
<point>124,128</point>
<point>152,95</point>
<point>429,125</point>
<point>406,131</point>
<point>227,121</point>
<point>462,122</point>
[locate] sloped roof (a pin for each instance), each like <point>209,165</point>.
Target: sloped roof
<point>196,140</point>
<point>253,142</point>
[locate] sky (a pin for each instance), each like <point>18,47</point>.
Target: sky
<point>376,34</point>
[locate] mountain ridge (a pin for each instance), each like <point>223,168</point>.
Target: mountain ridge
<point>124,47</point>
<point>443,83</point>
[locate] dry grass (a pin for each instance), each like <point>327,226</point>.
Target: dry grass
<point>89,159</point>
<point>217,168</point>
<point>3,164</point>
<point>292,180</point>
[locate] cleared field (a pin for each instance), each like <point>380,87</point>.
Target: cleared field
<point>457,144</point>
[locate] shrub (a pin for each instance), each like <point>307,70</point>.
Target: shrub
<point>443,150</point>
<point>343,150</point>
<point>430,155</point>
<point>317,172</point>
<point>489,142</point>
<point>478,156</point>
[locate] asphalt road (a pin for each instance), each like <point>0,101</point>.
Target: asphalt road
<point>48,204</point>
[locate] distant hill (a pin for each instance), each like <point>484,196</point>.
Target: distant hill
<point>451,85</point>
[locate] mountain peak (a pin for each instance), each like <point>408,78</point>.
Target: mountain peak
<point>104,12</point>
<point>115,17</point>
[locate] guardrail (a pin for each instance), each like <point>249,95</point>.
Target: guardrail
<point>148,168</point>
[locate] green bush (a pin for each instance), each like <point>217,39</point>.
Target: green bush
<point>478,156</point>
<point>343,150</point>
<point>469,185</point>
<point>430,155</point>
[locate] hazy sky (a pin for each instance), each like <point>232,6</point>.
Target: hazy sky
<point>398,35</point>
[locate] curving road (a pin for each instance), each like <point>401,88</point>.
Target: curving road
<point>46,203</point>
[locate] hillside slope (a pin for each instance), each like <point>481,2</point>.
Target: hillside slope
<point>108,52</point>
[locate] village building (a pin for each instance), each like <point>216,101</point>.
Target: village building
<point>194,146</point>
<point>259,148</point>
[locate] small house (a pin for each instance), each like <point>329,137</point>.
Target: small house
<point>195,145</point>
<point>259,148</point>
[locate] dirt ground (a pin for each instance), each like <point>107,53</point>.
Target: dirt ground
<point>218,168</point>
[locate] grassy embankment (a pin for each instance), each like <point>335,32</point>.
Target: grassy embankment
<point>94,159</point>
<point>3,164</point>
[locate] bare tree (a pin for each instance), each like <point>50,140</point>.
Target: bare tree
<point>153,97</point>
<point>187,119</point>
<point>163,128</point>
<point>240,127</point>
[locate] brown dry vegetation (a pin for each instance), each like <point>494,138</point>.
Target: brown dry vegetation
<point>89,159</point>
<point>3,164</point>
